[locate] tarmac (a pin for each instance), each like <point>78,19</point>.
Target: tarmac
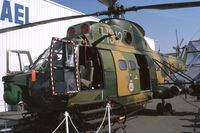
<point>185,118</point>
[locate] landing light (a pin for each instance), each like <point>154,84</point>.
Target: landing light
<point>78,30</point>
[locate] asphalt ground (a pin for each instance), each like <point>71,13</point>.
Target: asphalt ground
<point>185,118</point>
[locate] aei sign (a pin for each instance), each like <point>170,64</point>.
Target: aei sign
<point>14,12</point>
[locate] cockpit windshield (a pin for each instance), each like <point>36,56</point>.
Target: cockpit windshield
<point>43,60</point>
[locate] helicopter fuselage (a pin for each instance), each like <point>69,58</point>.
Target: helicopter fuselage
<point>96,61</point>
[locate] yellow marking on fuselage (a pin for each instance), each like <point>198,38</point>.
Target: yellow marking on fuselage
<point>122,75</point>
<point>140,97</point>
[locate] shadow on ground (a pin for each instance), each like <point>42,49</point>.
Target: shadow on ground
<point>151,112</point>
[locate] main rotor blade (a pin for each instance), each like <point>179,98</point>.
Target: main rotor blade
<point>50,21</point>
<point>165,6</point>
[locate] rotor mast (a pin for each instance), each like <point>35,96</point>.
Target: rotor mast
<point>115,10</point>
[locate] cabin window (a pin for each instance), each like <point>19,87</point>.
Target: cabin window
<point>132,65</point>
<point>138,40</point>
<point>122,64</point>
<point>128,38</point>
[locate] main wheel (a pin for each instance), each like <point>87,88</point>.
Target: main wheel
<point>160,108</point>
<point>168,108</point>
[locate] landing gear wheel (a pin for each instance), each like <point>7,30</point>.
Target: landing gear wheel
<point>160,108</point>
<point>168,108</point>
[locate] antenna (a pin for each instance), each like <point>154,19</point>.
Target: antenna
<point>159,49</point>
<point>177,38</point>
<point>178,45</point>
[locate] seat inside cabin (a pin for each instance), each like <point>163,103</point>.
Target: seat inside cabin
<point>91,73</point>
<point>87,74</point>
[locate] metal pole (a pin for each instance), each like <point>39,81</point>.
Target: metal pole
<point>67,123</point>
<point>109,127</point>
<point>5,111</point>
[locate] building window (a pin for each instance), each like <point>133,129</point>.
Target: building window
<point>122,64</point>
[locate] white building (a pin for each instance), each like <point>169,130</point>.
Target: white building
<point>151,42</point>
<point>35,39</point>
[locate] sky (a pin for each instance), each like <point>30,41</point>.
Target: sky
<point>160,25</point>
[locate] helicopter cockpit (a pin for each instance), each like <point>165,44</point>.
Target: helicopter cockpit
<point>73,67</point>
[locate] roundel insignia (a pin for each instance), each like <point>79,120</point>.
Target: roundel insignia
<point>131,86</point>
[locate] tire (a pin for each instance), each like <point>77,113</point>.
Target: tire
<point>168,107</point>
<point>160,108</point>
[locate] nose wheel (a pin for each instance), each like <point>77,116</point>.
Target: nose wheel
<point>164,108</point>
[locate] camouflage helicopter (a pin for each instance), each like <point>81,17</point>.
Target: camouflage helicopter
<point>95,63</point>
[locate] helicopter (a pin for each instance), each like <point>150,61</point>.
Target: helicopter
<point>96,63</point>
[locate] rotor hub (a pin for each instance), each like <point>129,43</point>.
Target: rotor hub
<point>116,10</point>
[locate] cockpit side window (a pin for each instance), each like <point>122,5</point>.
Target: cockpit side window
<point>58,58</point>
<point>132,65</point>
<point>69,56</point>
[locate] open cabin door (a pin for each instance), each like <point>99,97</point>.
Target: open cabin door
<point>144,72</point>
<point>18,61</point>
<point>64,67</point>
<point>127,72</point>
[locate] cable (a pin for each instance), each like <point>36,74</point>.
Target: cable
<point>103,120</point>
<point>99,126</point>
<point>59,125</point>
<point>73,124</point>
